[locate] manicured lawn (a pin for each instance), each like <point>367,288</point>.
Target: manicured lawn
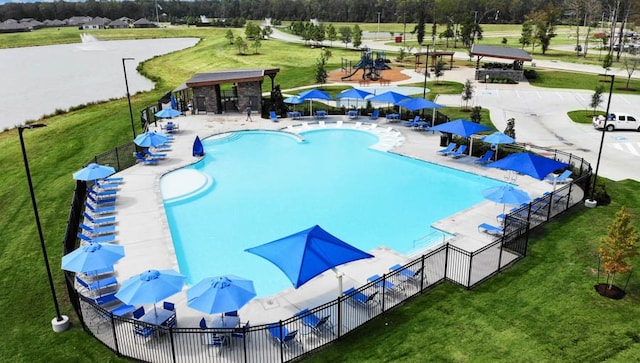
<point>542,309</point>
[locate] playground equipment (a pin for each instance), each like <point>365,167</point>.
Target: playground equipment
<point>370,66</point>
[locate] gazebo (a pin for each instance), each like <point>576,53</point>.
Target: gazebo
<point>513,70</point>
<point>246,89</point>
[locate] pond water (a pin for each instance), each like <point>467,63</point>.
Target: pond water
<point>38,80</point>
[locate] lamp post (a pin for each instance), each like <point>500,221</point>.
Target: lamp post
<point>126,84</point>
<point>604,129</point>
<point>60,322</point>
<point>378,33</point>
<point>426,74</point>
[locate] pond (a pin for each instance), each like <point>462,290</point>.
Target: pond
<point>43,79</point>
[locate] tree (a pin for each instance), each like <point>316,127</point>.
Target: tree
<point>607,62</point>
<point>438,70</point>
<point>345,35</point>
<point>596,98</point>
<point>630,63</point>
<point>504,41</point>
<point>476,114</point>
<point>510,130</point>
<point>467,93</point>
<point>544,21</point>
<point>257,43</point>
<point>357,36</point>
<point>229,36</point>
<point>619,247</point>
<point>526,35</point>
<point>321,69</point>
<point>240,44</point>
<point>448,33</point>
<point>252,31</point>
<point>331,34</point>
<point>419,29</point>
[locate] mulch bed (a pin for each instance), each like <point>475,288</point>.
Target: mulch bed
<point>388,75</point>
<point>613,293</point>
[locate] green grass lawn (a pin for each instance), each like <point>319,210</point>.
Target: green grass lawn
<point>542,309</point>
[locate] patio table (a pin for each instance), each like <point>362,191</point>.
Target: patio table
<point>157,316</point>
<point>391,117</point>
<point>227,323</point>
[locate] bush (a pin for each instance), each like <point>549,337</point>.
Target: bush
<point>530,74</point>
<point>601,196</point>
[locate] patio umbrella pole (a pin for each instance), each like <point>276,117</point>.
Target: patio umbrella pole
<point>339,277</point>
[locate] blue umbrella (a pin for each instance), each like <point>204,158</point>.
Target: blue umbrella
<point>528,163</point>
<point>417,103</point>
<point>353,93</point>
<point>150,287</point>
<point>464,128</point>
<point>93,171</point>
<point>314,94</point>
<point>506,194</point>
<point>306,254</point>
<point>167,113</point>
<point>150,139</point>
<point>92,257</point>
<point>498,138</point>
<point>293,100</point>
<point>220,294</point>
<point>174,102</point>
<point>390,97</point>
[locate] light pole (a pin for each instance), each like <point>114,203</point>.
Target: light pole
<point>378,33</point>
<point>426,74</point>
<point>604,129</point>
<point>126,84</point>
<point>60,322</point>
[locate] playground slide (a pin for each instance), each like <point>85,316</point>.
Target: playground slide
<point>356,68</point>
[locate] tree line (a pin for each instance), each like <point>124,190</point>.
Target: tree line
<point>361,11</point>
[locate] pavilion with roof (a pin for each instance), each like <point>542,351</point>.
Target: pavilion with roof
<point>496,70</point>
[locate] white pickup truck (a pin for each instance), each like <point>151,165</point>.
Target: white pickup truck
<point>617,121</point>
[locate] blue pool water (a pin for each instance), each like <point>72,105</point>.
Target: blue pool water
<point>268,185</point>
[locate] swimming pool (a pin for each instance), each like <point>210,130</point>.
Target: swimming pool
<point>267,185</point>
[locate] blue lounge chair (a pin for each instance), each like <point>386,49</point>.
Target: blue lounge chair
<point>145,161</point>
<point>380,283</point>
<point>98,222</point>
<point>560,179</point>
<point>484,159</point>
<point>282,335</point>
<point>97,231</point>
<point>106,299</point>
<point>448,149</point>
<point>413,122</point>
<point>375,114</point>
<point>113,179</point>
<point>98,239</point>
<point>152,155</point>
<point>460,152</point>
<point>100,201</point>
<point>102,193</point>
<point>361,299</point>
<point>273,116</point>
<point>100,210</point>
<point>491,229</point>
<point>102,271</point>
<point>314,322</point>
<point>407,274</point>
<point>106,186</point>
<point>98,284</point>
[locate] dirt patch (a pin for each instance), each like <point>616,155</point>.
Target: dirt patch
<point>388,75</point>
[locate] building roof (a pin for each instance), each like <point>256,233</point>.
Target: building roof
<point>229,76</point>
<point>500,52</point>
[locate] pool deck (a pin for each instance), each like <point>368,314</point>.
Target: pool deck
<point>144,232</point>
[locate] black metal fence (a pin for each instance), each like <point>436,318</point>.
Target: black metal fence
<point>298,336</point>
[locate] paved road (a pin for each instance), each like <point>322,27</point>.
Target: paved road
<point>541,114</point>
